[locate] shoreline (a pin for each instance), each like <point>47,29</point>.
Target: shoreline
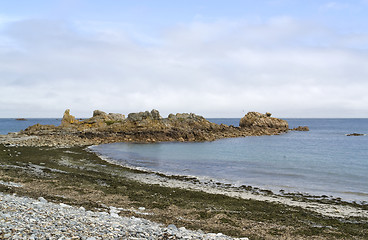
<point>19,140</point>
<point>208,181</point>
<point>327,206</point>
<point>77,177</point>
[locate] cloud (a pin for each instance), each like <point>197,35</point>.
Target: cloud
<point>335,6</point>
<point>216,69</point>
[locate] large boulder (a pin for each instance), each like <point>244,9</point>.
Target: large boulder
<point>155,114</point>
<point>185,117</point>
<point>102,117</point>
<point>68,119</point>
<point>136,117</point>
<point>117,117</point>
<point>99,113</point>
<point>259,120</point>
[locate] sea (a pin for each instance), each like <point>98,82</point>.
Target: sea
<point>322,161</point>
<point>8,125</point>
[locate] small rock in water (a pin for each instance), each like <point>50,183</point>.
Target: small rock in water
<point>355,134</point>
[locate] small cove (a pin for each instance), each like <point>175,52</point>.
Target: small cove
<point>323,161</point>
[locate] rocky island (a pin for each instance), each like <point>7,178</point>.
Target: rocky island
<point>143,127</point>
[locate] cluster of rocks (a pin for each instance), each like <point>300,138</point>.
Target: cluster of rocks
<point>27,218</point>
<point>64,141</point>
<point>355,134</point>
<point>301,128</point>
<point>259,120</point>
<point>144,127</point>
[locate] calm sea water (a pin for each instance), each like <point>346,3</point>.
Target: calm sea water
<point>12,125</point>
<point>321,161</point>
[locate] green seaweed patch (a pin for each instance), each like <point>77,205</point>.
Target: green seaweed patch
<point>83,179</point>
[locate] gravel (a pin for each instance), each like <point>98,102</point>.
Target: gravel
<point>27,218</point>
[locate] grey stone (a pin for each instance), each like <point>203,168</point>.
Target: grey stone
<point>60,221</point>
<point>41,199</point>
<point>172,227</point>
<point>98,113</point>
<point>118,117</point>
<point>155,115</point>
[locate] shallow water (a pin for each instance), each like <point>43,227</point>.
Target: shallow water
<point>321,161</point>
<point>8,125</point>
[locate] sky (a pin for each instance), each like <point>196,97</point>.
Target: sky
<point>293,58</point>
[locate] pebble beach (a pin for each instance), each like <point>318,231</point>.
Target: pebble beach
<point>27,218</point>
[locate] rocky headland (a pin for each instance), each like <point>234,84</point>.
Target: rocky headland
<point>144,127</point>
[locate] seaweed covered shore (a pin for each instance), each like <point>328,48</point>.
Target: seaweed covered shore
<point>77,177</point>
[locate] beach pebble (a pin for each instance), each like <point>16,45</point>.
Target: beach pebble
<point>27,218</point>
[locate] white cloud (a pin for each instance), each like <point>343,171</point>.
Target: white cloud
<point>335,6</point>
<point>214,69</point>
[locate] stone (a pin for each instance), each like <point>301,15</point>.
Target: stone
<point>172,227</point>
<point>355,134</point>
<point>117,117</point>
<point>155,114</point>
<point>68,119</point>
<point>135,117</point>
<point>97,113</point>
<point>115,215</point>
<point>63,205</point>
<point>256,119</point>
<point>301,128</point>
<point>41,199</point>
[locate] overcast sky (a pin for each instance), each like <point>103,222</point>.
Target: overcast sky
<point>293,58</point>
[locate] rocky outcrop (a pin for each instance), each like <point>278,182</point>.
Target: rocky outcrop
<point>301,128</point>
<point>153,115</point>
<point>102,116</point>
<point>355,134</point>
<point>148,127</point>
<point>265,121</point>
<point>117,117</point>
<point>68,119</point>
